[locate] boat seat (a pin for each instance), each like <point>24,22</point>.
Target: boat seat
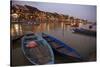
<point>30,39</point>
<point>39,51</point>
<point>38,40</point>
<point>50,41</point>
<point>44,36</point>
<point>47,39</point>
<point>30,34</point>
<point>59,47</point>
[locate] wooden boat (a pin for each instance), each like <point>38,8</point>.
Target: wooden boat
<point>61,47</point>
<point>85,31</point>
<point>37,50</point>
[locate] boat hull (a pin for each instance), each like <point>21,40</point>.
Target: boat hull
<point>42,54</point>
<point>84,31</point>
<point>61,47</point>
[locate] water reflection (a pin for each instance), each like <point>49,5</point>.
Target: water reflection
<point>85,45</point>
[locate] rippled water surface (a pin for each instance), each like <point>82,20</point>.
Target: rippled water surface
<point>84,44</point>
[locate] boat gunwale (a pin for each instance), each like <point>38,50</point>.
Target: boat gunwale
<point>52,60</point>
<point>85,31</point>
<point>62,43</point>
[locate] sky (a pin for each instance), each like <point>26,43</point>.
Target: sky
<point>87,12</point>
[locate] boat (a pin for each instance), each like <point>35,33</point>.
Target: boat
<point>37,50</point>
<point>85,31</point>
<point>60,47</point>
<point>16,38</point>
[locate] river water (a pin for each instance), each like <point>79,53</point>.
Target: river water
<point>85,45</point>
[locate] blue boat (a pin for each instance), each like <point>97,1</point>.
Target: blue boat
<point>85,31</point>
<point>37,50</point>
<point>61,47</point>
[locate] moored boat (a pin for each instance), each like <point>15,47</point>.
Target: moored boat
<point>85,31</point>
<point>61,47</point>
<point>37,50</point>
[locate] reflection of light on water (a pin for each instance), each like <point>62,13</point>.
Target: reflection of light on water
<point>48,27</point>
<point>16,26</point>
<point>12,31</point>
<point>44,26</point>
<point>38,28</point>
<point>41,27</point>
<point>21,31</point>
<point>16,30</point>
<point>62,25</point>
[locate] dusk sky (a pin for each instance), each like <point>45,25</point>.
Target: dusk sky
<point>87,12</point>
